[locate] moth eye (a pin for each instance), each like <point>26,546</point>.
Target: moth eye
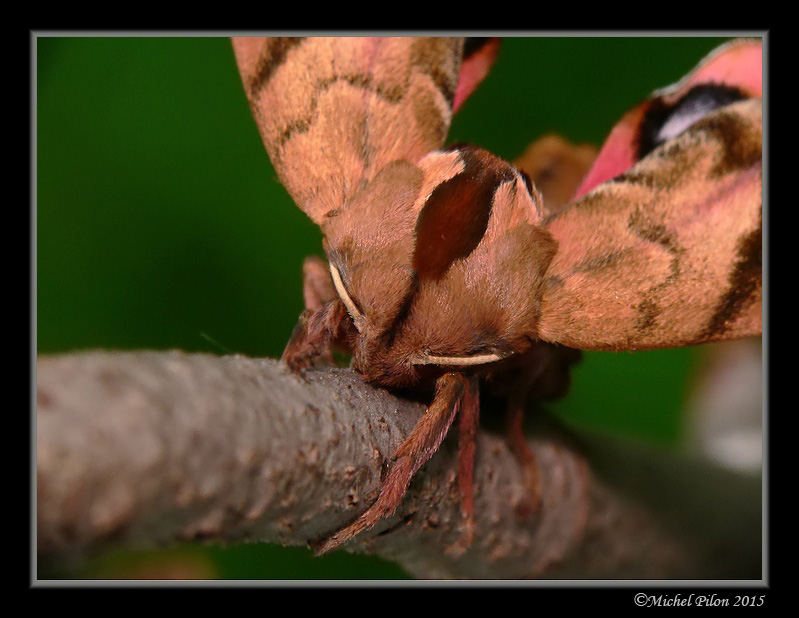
<point>352,309</point>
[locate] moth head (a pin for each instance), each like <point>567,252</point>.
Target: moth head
<point>440,265</point>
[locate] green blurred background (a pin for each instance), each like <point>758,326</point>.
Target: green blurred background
<point>160,223</point>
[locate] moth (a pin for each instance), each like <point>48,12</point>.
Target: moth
<point>452,270</point>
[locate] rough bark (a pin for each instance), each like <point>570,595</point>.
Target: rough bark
<point>149,448</point>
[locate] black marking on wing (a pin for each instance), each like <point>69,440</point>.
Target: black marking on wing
<point>742,144</point>
<point>697,103</point>
<point>365,82</point>
<point>430,57</point>
<point>745,280</point>
<point>474,44</point>
<point>271,57</point>
<point>390,334</point>
<point>656,233</point>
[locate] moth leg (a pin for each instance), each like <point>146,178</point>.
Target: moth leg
<point>323,325</point>
<point>524,455</point>
<point>467,448</point>
<point>545,375</point>
<point>317,285</point>
<point>315,335</point>
<point>317,290</point>
<point>411,455</point>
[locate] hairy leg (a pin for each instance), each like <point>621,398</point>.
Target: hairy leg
<point>467,449</point>
<point>419,446</point>
<point>525,456</point>
<point>323,325</point>
<point>314,335</point>
<point>543,375</point>
<point>317,286</point>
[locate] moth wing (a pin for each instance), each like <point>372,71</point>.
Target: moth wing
<point>736,65</point>
<point>668,253</point>
<point>333,111</point>
<point>556,167</point>
<point>479,54</point>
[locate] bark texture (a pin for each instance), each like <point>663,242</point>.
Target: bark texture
<point>150,448</point>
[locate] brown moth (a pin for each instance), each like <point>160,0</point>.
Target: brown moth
<point>449,267</point>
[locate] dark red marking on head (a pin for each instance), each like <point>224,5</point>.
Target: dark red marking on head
<point>455,216</point>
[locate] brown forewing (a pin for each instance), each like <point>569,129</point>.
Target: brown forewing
<point>668,253</point>
<point>332,111</point>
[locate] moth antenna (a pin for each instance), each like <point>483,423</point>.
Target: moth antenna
<point>345,297</point>
<point>458,361</point>
<point>213,341</point>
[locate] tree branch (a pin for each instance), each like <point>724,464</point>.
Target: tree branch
<point>148,448</point>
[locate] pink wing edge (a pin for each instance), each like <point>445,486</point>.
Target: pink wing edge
<point>473,70</point>
<point>736,63</point>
